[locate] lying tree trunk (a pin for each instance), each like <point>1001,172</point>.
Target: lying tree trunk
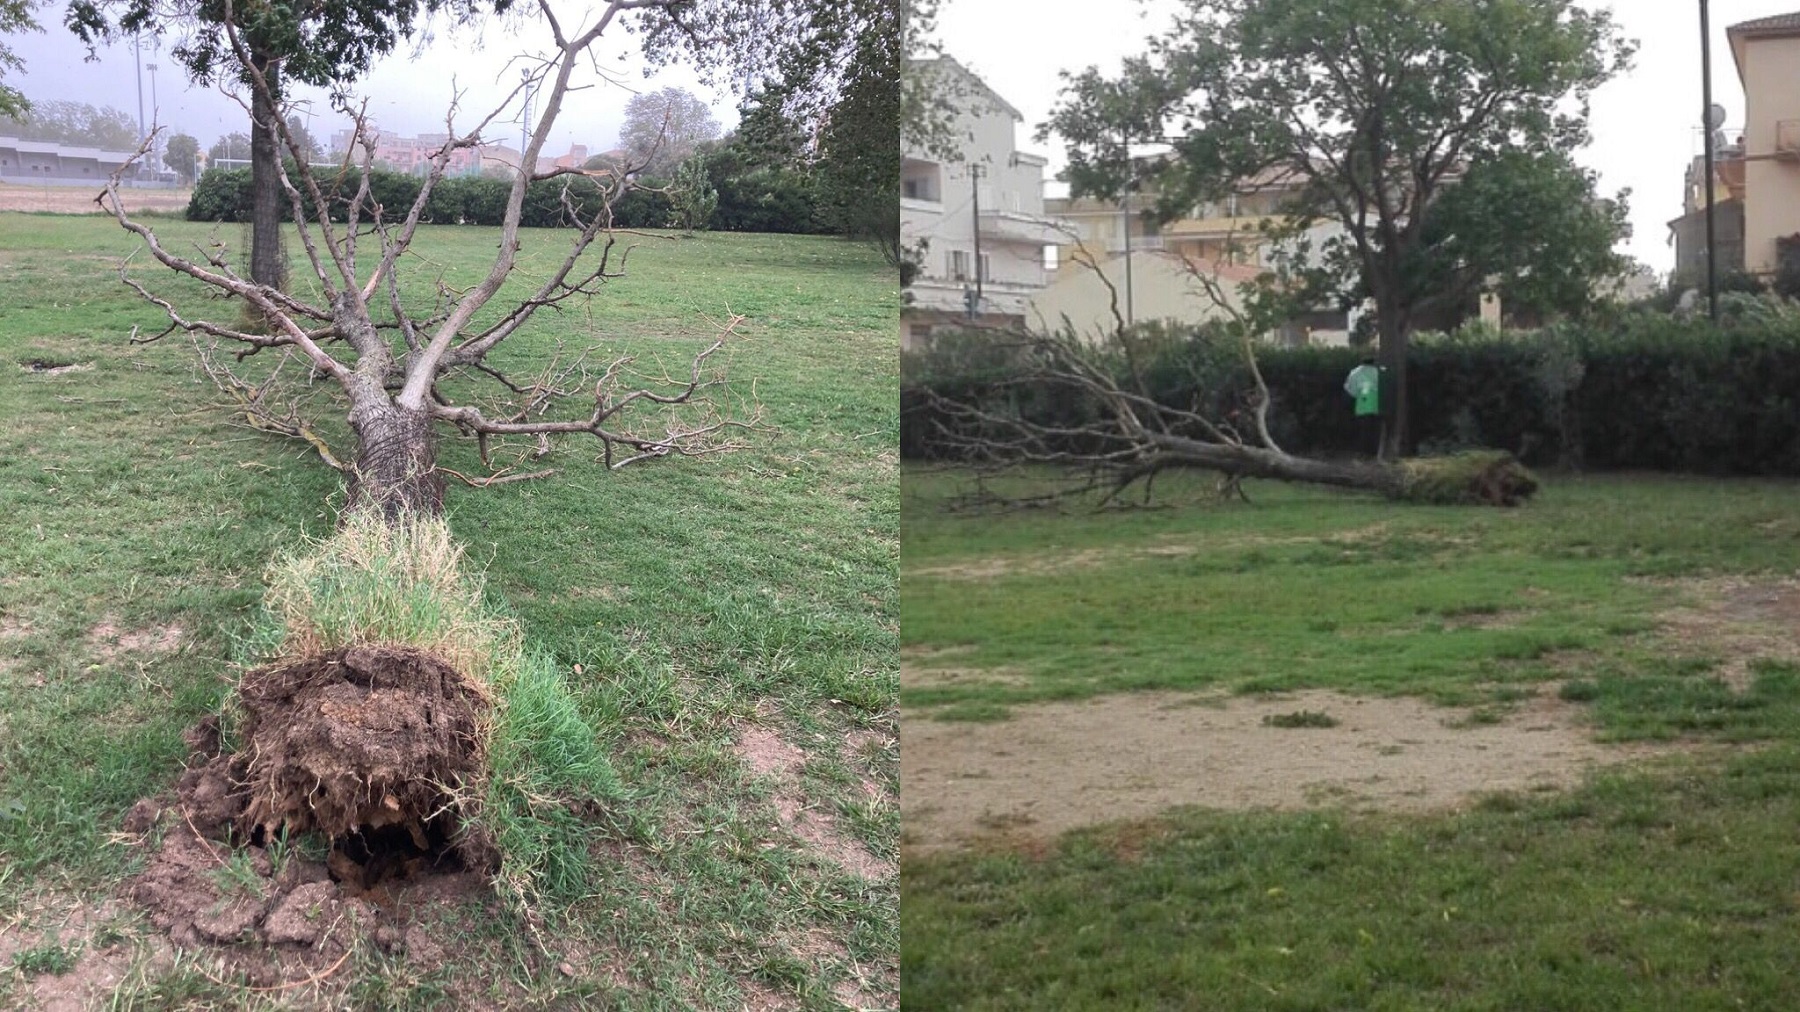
<point>1481,478</point>
<point>396,461</point>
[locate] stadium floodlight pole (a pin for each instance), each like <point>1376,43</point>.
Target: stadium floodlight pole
<point>137,55</point>
<point>1707,127</point>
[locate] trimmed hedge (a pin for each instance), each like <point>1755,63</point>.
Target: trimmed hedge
<point>224,195</point>
<point>1644,391</point>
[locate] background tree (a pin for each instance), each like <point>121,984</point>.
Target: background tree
<point>232,145</point>
<point>662,129</point>
<point>1528,227</point>
<point>306,147</point>
<point>327,45</point>
<point>15,18</point>
<point>179,153</point>
<point>77,123</point>
<point>859,153</point>
<point>1373,107</point>
<point>692,196</point>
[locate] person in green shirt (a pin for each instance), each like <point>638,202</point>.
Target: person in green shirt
<point>1364,387</point>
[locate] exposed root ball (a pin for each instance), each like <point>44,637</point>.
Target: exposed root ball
<point>1480,478</point>
<point>358,740</point>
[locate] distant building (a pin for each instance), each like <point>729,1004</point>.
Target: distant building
<point>414,154</point>
<point>50,163</point>
<point>1186,271</point>
<point>1688,232</point>
<point>1767,53</point>
<point>978,217</point>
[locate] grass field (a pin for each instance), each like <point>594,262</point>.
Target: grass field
<point>1661,608</point>
<point>690,603</point>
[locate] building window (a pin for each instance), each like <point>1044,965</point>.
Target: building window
<point>959,265</point>
<point>1050,257</point>
<point>987,268</point>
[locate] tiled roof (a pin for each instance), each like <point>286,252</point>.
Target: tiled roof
<point>1774,23</point>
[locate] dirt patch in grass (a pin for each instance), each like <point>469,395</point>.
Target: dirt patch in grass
<point>769,755</point>
<point>66,956</point>
<point>1737,620</point>
<point>1048,563</point>
<point>80,199</point>
<point>1059,766</point>
<point>923,676</point>
<point>107,640</point>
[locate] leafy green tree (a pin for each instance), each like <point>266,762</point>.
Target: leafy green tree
<point>233,146</point>
<point>692,196</point>
<point>78,123</point>
<point>15,18</point>
<point>179,153</point>
<point>662,129</point>
<point>1369,108</point>
<point>1527,226</point>
<point>305,145</point>
<point>859,158</point>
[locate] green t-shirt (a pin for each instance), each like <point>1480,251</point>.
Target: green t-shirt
<point>1364,384</point>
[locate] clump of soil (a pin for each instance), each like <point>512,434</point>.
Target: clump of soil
<point>356,741</point>
<point>361,747</point>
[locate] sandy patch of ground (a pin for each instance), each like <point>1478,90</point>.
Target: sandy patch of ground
<point>769,755</point>
<point>1059,766</point>
<point>1738,619</point>
<point>91,937</point>
<point>108,640</point>
<point>1047,563</point>
<point>80,199</point>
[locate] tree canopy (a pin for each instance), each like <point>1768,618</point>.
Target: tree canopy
<point>1372,108</point>
<point>663,128</point>
<point>75,123</point>
<point>179,152</point>
<point>15,16</point>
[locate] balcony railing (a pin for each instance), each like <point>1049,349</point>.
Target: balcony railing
<point>1787,140</point>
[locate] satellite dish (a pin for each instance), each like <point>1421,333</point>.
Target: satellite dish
<point>1715,116</point>
<point>1718,141</point>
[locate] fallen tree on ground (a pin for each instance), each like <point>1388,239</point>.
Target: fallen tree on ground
<point>1086,408</point>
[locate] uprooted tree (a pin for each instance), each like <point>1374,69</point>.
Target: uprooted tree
<point>1090,410</point>
<point>391,360</point>
<point>369,723</point>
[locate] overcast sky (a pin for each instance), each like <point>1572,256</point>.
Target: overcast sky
<point>408,92</point>
<point>1645,123</point>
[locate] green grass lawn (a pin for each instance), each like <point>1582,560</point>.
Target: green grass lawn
<point>696,597</point>
<point>1673,886</point>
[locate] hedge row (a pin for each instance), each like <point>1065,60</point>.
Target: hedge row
<point>1643,391</point>
<point>224,195</point>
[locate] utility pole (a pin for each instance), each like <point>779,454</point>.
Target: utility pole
<point>1706,120</point>
<point>975,201</point>
<point>1125,213</point>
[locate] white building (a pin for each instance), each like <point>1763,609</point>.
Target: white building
<point>977,218</point>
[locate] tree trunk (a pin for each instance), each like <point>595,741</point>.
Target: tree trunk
<point>1482,478</point>
<point>265,177</point>
<point>396,460</point>
<point>1392,359</point>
